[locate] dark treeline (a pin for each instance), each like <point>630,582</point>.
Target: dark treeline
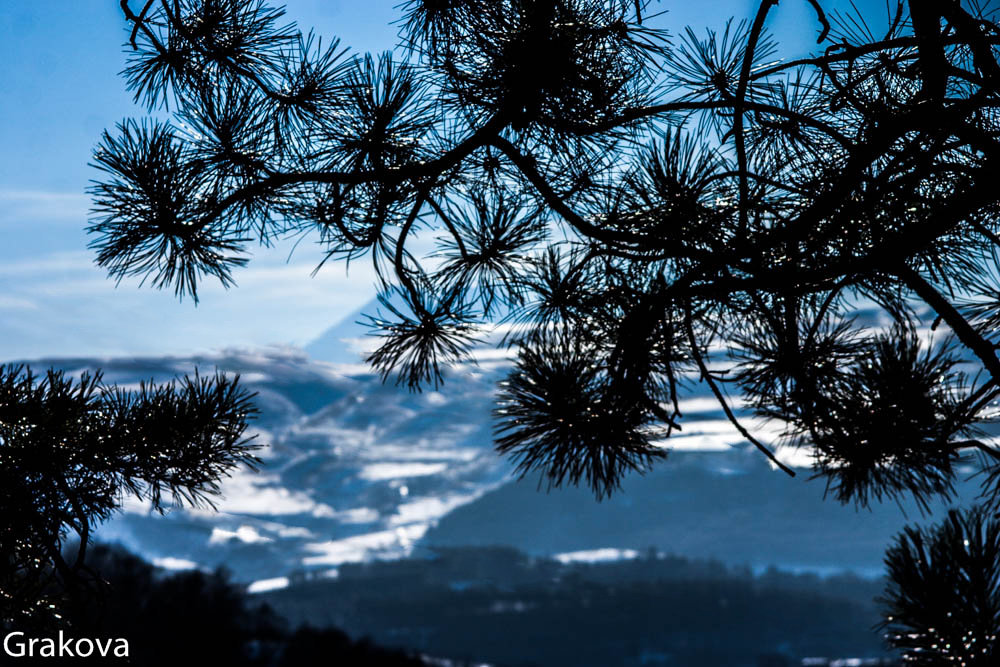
<point>196,618</point>
<point>501,606</point>
<point>479,605</point>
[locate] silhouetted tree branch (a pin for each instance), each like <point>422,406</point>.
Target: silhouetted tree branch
<point>942,602</point>
<point>71,450</point>
<point>669,195</point>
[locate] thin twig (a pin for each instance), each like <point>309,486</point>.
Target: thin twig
<point>979,346</point>
<point>822,19</point>
<point>707,376</point>
<point>139,23</point>
<point>740,101</point>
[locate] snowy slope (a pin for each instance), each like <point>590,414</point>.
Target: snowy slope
<point>356,469</point>
<point>352,468</point>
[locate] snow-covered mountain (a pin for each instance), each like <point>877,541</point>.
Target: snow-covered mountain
<point>353,468</point>
<point>357,469</point>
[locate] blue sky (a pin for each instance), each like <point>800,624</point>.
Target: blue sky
<point>59,66</point>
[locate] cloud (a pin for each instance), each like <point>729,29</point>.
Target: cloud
<point>51,264</point>
<point>16,303</point>
<point>76,310</point>
<point>20,206</point>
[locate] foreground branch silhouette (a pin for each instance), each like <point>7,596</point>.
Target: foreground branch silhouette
<point>629,202</point>
<point>72,449</point>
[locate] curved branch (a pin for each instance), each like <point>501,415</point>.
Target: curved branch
<point>431,170</point>
<point>739,105</point>
<point>526,166</point>
<point>760,179</point>
<point>139,23</point>
<point>850,52</point>
<point>965,332</point>
<point>970,34</point>
<point>821,16</point>
<point>399,258</point>
<point>446,219</point>
<point>705,375</point>
<point>640,113</point>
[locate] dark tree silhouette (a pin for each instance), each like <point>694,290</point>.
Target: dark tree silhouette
<point>942,605</point>
<point>71,449</point>
<point>154,609</point>
<point>634,199</point>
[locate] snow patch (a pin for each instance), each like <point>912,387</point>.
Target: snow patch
<point>245,534</point>
<point>596,556</point>
<point>264,585</point>
<point>435,398</point>
<point>375,472</point>
<point>171,563</point>
<point>428,509</point>
<point>385,543</point>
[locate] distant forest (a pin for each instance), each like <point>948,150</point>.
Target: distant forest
<point>198,618</point>
<point>506,608</point>
<point>492,605</point>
